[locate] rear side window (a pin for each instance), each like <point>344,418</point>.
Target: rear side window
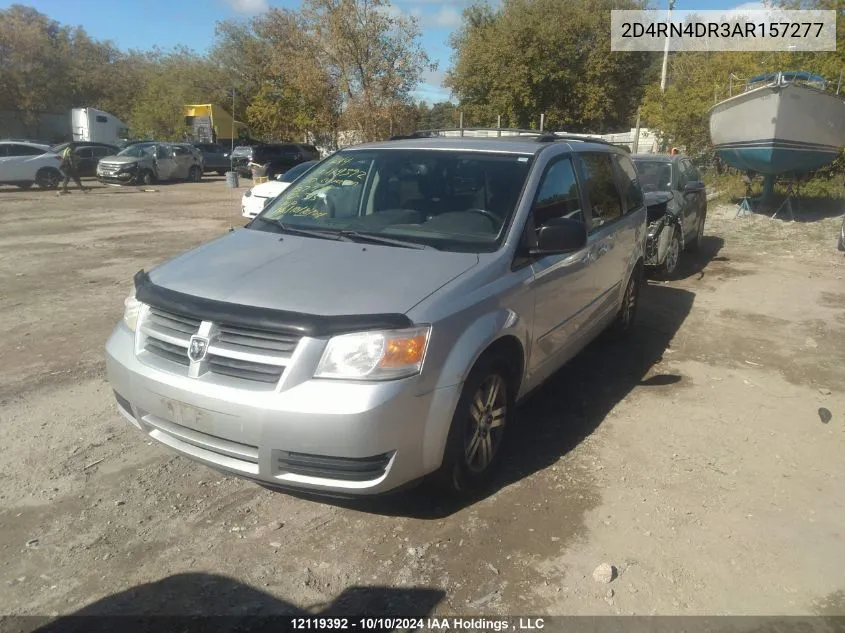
<point>632,194</point>
<point>23,150</point>
<point>558,195</point>
<point>599,180</point>
<point>84,152</point>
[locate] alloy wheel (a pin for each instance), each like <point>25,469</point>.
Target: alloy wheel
<point>672,254</point>
<point>488,412</point>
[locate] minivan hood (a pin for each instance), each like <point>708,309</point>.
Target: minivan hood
<point>310,275</point>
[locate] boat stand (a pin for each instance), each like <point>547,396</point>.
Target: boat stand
<point>744,207</point>
<point>787,203</point>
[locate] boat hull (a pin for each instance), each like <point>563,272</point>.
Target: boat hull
<point>779,128</point>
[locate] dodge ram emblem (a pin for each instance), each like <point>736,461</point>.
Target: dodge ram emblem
<point>197,348</point>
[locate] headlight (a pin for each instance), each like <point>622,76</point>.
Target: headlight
<point>131,309</point>
<point>378,355</point>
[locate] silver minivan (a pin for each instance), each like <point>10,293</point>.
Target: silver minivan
<point>379,321</point>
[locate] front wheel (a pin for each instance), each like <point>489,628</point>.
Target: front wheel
<point>48,178</point>
<point>673,255</point>
<point>195,174</point>
<point>477,433</point>
<point>146,178</point>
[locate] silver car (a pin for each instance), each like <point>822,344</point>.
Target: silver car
<point>149,162</point>
<point>379,321</point>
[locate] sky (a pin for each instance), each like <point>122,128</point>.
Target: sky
<point>165,23</point>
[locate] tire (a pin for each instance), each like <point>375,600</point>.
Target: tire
<point>627,314</point>
<point>24,185</point>
<point>477,434</point>
<point>221,172</point>
<point>694,245</point>
<point>194,174</point>
<point>48,178</point>
<point>146,178</point>
<point>667,269</point>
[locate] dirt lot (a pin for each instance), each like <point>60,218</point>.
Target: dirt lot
<point>703,458</point>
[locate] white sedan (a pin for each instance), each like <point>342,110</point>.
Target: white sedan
<point>257,197</point>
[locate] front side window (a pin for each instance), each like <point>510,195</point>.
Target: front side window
<point>600,182</point>
<point>630,183</point>
<point>24,150</point>
<point>558,195</point>
<point>451,200</point>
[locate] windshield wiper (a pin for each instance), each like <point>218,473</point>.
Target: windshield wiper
<point>294,230</point>
<point>378,239</point>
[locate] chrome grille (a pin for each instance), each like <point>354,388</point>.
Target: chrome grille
<point>259,340</point>
<point>245,369</point>
<point>251,354</point>
<point>169,351</point>
<point>173,323</point>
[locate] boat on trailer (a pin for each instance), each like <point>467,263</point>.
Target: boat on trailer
<point>784,122</point>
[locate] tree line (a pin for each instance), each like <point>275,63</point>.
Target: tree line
<point>336,65</point>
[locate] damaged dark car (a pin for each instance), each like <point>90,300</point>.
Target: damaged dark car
<point>677,208</point>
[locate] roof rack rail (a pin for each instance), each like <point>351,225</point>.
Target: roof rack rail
<point>499,130</point>
<point>542,136</point>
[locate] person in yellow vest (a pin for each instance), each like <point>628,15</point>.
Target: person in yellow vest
<point>68,168</point>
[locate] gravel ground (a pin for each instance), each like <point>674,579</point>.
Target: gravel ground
<point>701,459</point>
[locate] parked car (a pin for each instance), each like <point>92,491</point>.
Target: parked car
<point>677,209</point>
<point>149,162</point>
<point>216,157</point>
<point>24,164</point>
<point>275,157</point>
<point>88,154</point>
<point>255,198</point>
<point>842,236</point>
<point>355,341</point>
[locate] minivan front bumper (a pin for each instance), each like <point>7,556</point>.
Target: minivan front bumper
<point>325,436</point>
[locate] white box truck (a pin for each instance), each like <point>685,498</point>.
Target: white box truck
<point>96,126</point>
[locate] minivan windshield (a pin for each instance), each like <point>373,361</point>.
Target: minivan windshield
<point>138,150</point>
<point>655,175</point>
<point>450,200</point>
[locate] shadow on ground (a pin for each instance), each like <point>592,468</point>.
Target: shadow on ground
<point>567,409</point>
<point>205,602</point>
<point>693,264</point>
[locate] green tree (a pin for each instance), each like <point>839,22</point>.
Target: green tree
<point>533,57</point>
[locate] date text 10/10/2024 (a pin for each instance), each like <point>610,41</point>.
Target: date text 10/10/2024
<point>433,624</point>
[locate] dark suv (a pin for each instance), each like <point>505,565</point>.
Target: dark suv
<point>88,155</point>
<point>276,158</point>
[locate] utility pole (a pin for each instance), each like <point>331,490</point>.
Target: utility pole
<point>233,120</point>
<point>635,146</point>
<point>666,49</point>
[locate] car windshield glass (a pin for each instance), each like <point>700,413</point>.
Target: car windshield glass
<point>295,172</point>
<point>655,175</point>
<point>451,200</point>
<point>138,150</point>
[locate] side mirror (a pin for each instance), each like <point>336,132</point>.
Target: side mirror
<point>559,236</point>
